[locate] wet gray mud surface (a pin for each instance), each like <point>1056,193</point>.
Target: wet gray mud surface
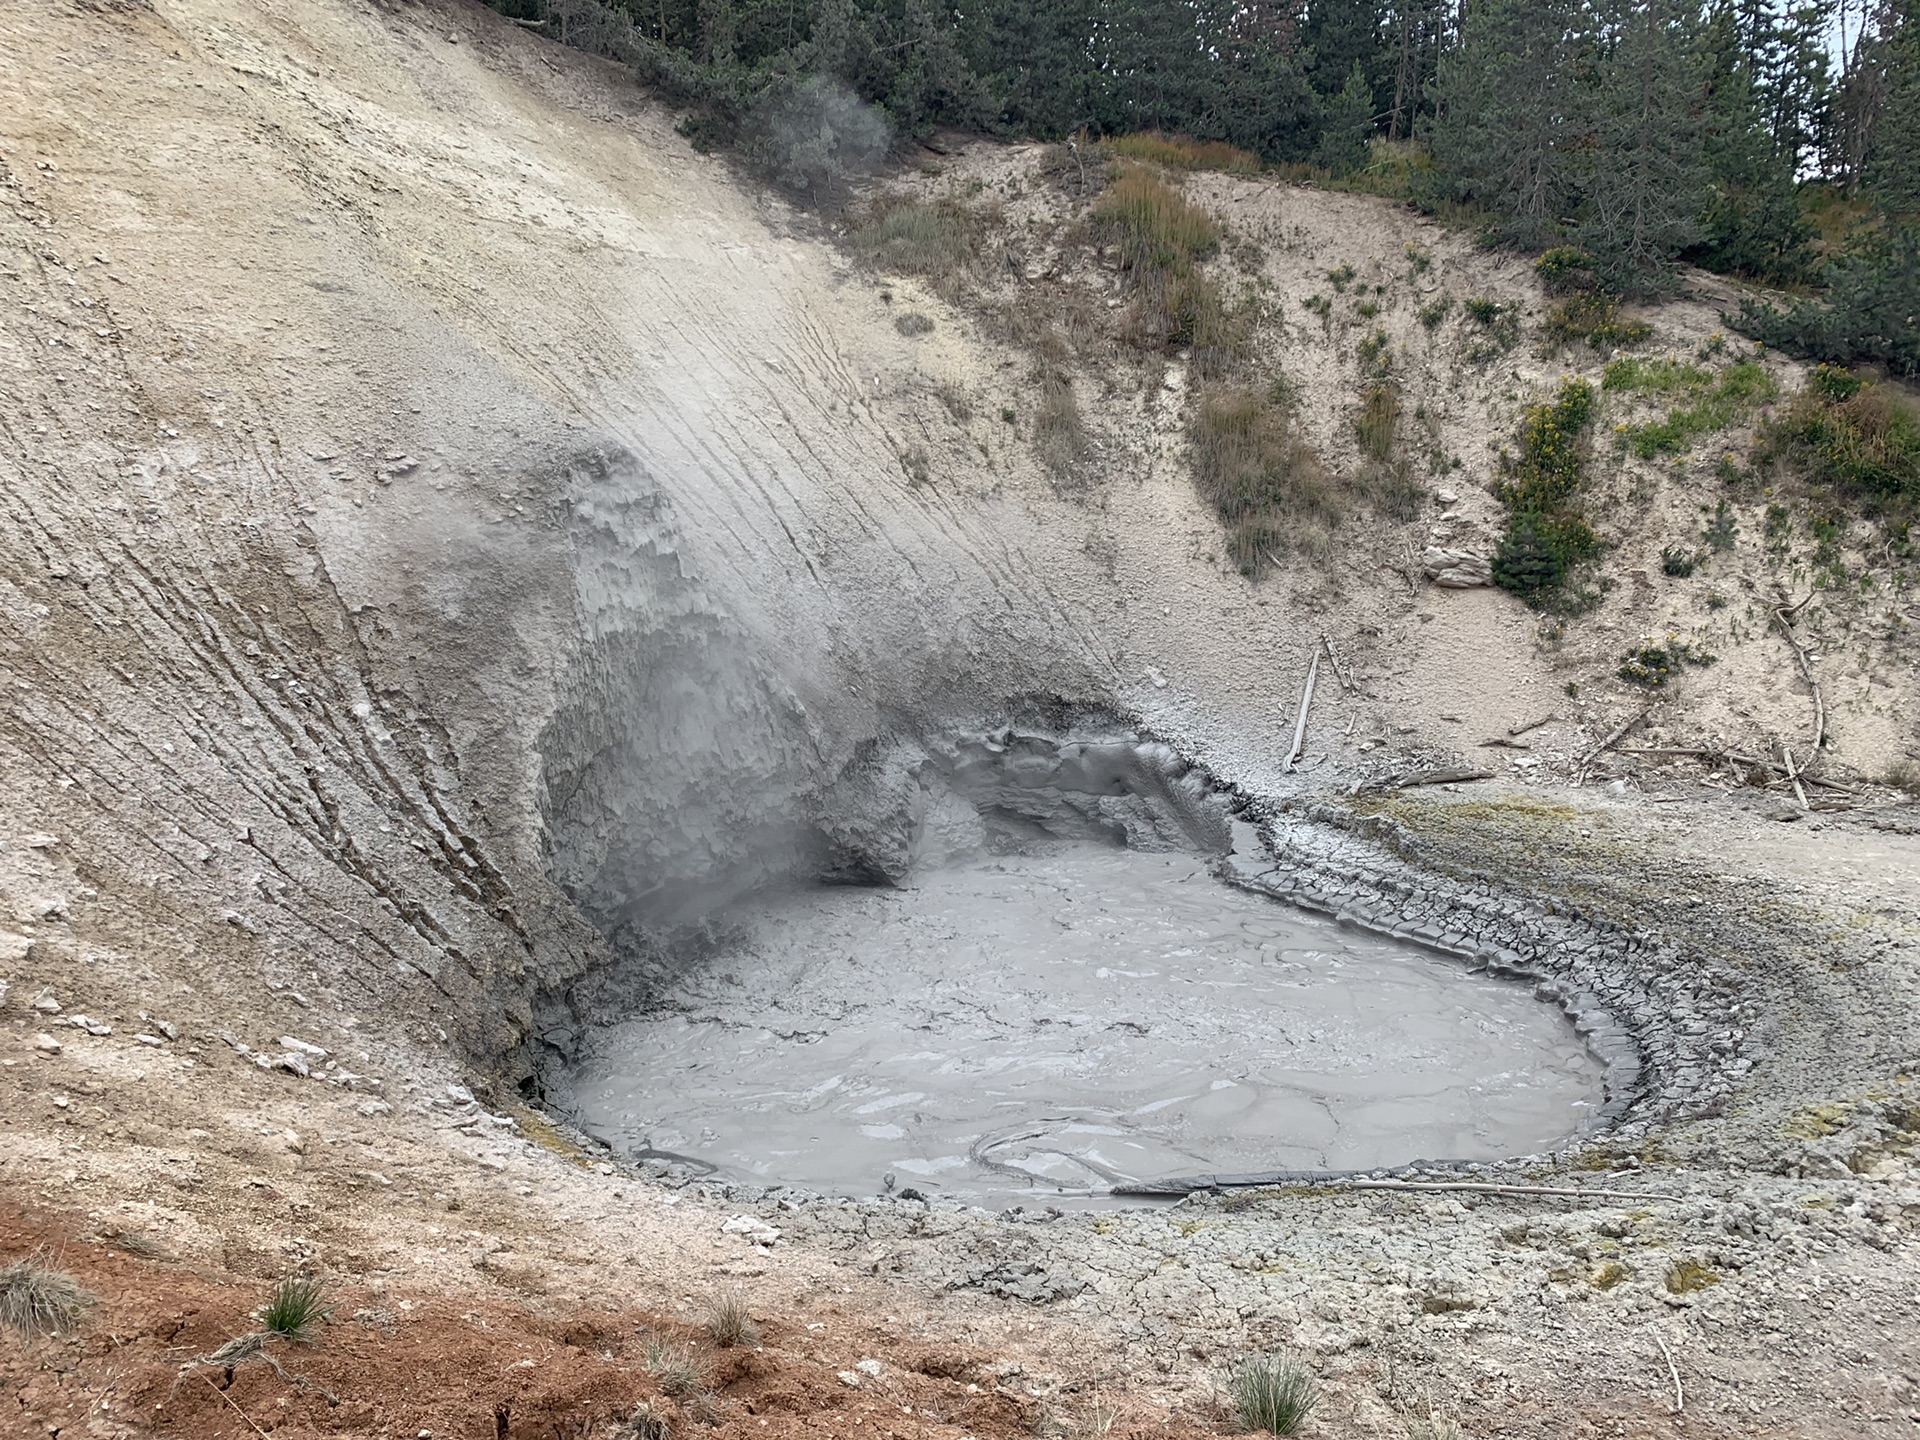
<point>1069,1017</point>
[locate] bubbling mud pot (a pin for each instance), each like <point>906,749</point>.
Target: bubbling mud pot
<point>1064,1017</point>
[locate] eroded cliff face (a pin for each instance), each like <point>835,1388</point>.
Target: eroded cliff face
<point>446,520</point>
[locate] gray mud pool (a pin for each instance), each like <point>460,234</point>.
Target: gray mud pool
<point>1029,1025</point>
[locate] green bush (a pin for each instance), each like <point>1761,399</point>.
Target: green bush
<point>1868,313</point>
<point>1546,534</point>
<point>1845,432</point>
<point>1678,563</point>
<point>1564,269</point>
<point>1650,665</point>
<point>1721,530</point>
<point>1499,326</point>
<point>1595,318</point>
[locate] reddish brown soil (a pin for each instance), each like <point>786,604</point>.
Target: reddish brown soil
<point>466,1369</point>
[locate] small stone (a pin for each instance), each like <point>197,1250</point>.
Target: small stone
<point>41,842</point>
<point>153,1040</point>
<point>460,1094</point>
<point>61,1102</point>
<point>849,1379</point>
<point>374,1107</point>
<point>291,1139</point>
<point>47,1005</point>
<point>305,1047</point>
<point>46,1044</point>
<point>871,1367</point>
<point>295,1062</point>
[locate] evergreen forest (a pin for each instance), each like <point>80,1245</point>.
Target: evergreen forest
<point>1773,140</point>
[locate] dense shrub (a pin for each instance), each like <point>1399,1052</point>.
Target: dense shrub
<point>1546,534</point>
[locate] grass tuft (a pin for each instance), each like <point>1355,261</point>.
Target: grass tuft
<point>672,1366</point>
<point>914,237</point>
<point>1266,483</point>
<point>1275,1393</point>
<point>727,1319</point>
<point>1378,420</point>
<point>1153,226</point>
<point>294,1307</point>
<point>36,1299</point>
<point>1710,400</point>
<point>1177,152</point>
<point>1859,438</point>
<point>1684,1277</point>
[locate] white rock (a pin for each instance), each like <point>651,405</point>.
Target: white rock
<point>46,1044</point>
<point>304,1047</point>
<point>42,841</point>
<point>460,1094</point>
<point>154,1040</point>
<point>850,1379</point>
<point>294,1061</point>
<point>753,1227</point>
<point>47,1005</point>
<point>871,1367</point>
<point>374,1107</point>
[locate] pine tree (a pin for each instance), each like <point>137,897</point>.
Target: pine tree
<point>1753,223</point>
<point>1346,124</point>
<point>1891,172</point>
<point>1642,182</point>
<point>1502,94</point>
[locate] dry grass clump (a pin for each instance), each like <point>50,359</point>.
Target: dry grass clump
<point>672,1367</point>
<point>1904,775</point>
<point>914,237</point>
<point>727,1319</point>
<point>1274,1393</point>
<point>1178,152</point>
<point>1059,433</point>
<point>1266,482</point>
<point>1154,227</point>
<point>1377,421</point>
<point>36,1299</point>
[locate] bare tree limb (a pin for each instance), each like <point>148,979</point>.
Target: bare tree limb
<point>1783,614</point>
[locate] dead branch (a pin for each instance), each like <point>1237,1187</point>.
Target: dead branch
<point>1679,1395</point>
<point>236,1409</point>
<point>1783,617</point>
<point>1531,725</point>
<point>1707,752</point>
<point>1449,775</point>
<point>1345,678</point>
<point>1500,742</point>
<point>1580,771</point>
<point>1489,1188</point>
<point>1798,789</point>
<point>1300,723</point>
